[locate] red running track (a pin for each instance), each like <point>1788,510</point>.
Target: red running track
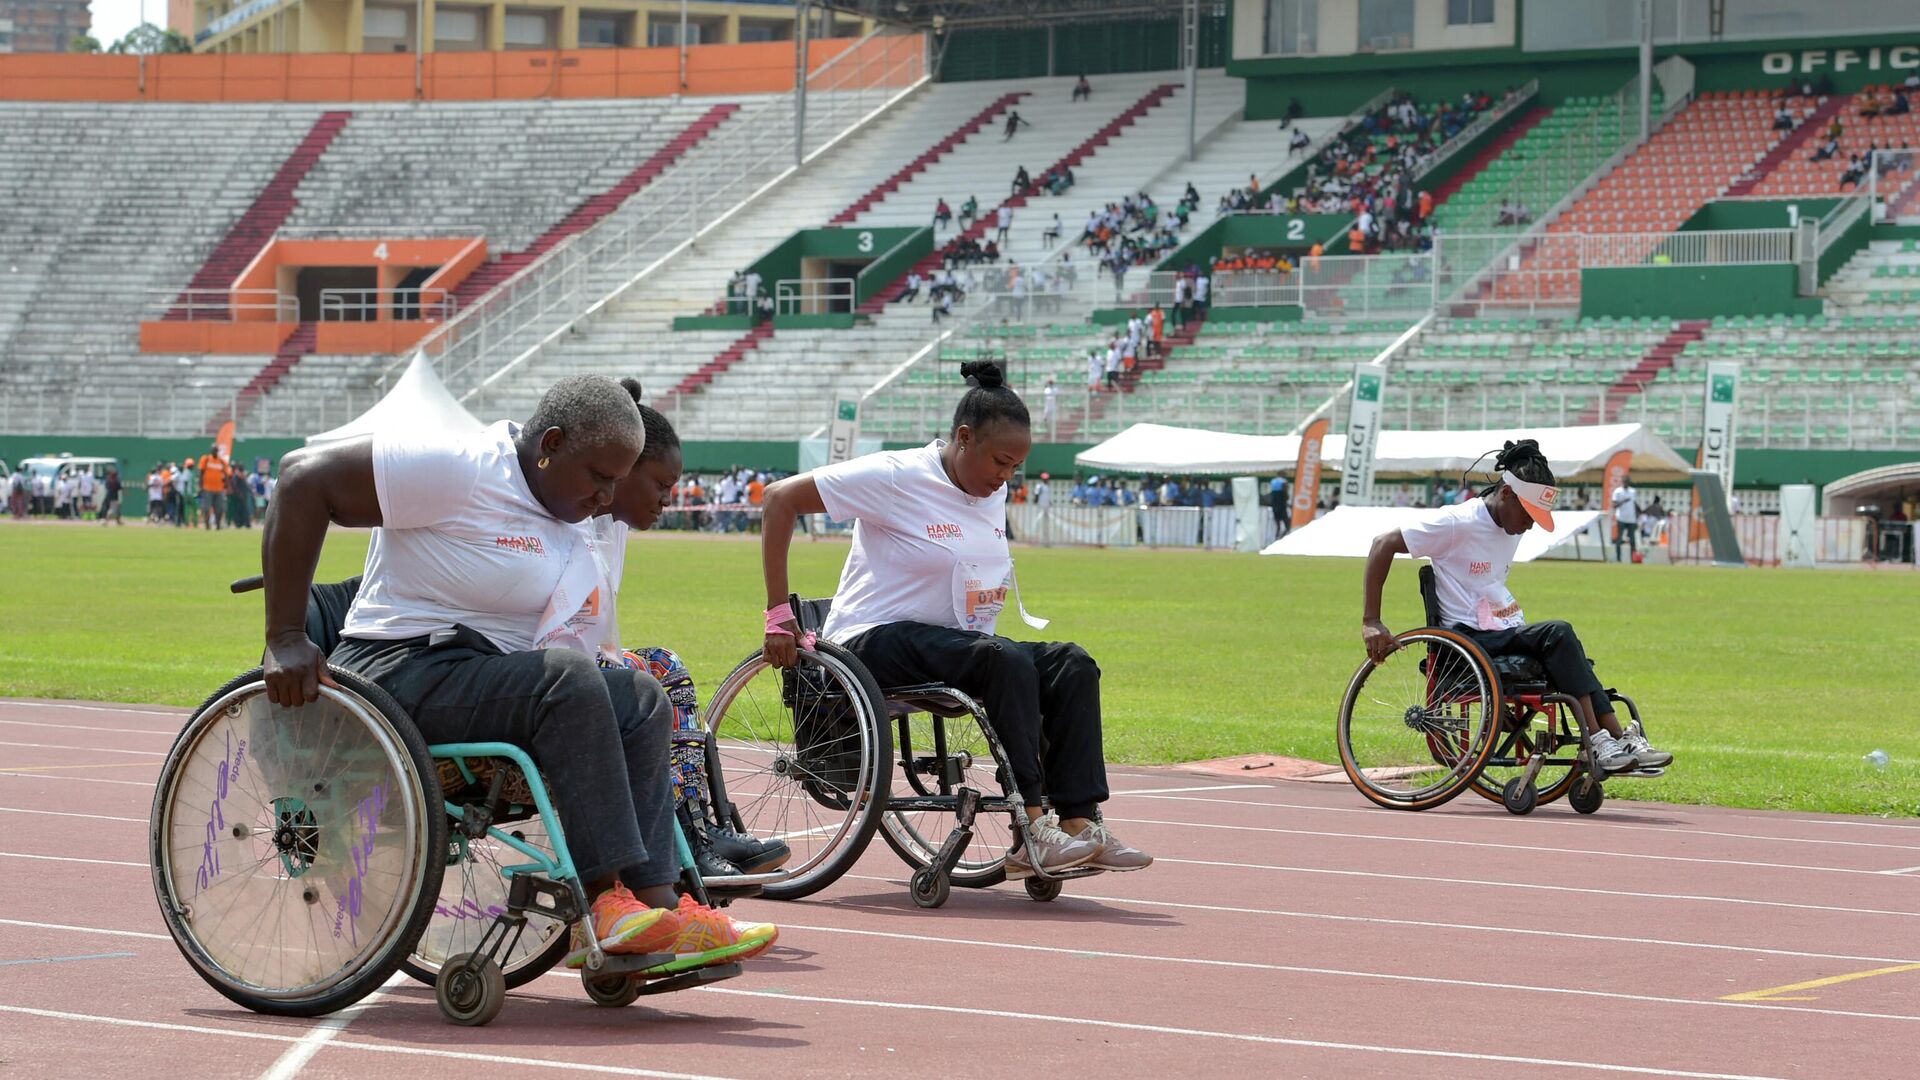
<point>1288,929</point>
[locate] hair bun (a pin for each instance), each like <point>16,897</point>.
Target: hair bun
<point>632,386</point>
<point>984,374</point>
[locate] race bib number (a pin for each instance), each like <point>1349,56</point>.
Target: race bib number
<point>980,592</point>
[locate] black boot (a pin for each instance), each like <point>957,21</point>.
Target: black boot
<point>750,855</point>
<point>708,861</point>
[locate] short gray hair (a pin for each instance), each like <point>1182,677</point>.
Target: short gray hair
<point>592,410</point>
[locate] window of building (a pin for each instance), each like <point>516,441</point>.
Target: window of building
<point>529,30</point>
<point>610,29</point>
<point>1293,27</point>
<point>456,27</point>
<point>1386,24</point>
<point>1469,12</point>
<point>666,31</point>
<point>387,29</point>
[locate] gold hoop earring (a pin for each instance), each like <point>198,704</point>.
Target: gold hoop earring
<point>542,463</point>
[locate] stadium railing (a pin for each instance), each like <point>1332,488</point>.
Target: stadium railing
<point>368,305</point>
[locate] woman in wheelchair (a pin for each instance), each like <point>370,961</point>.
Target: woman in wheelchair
<point>1472,545</point>
<point>638,502</point>
<point>919,598</point>
<point>481,559</point>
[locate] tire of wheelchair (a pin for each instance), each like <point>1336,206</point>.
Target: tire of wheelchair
<point>863,815</point>
<point>1489,677</point>
<point>400,756</point>
<point>1548,786</point>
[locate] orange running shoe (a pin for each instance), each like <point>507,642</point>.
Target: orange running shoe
<point>625,926</point>
<point>708,937</point>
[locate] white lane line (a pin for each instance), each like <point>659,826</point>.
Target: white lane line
<point>1210,787</point>
<point>289,1064</point>
<point>68,813</point>
<point>83,727</point>
<point>71,859</point>
<point>1425,924</point>
<point>77,706</point>
<point>347,1044</point>
<point>148,784</point>
<point>1903,870</point>
<point>1430,879</point>
<point>1499,846</point>
<point>66,959</point>
<point>1232,1036</point>
<point>1668,830</point>
<point>1344,973</point>
<point>83,929</point>
<point>85,749</point>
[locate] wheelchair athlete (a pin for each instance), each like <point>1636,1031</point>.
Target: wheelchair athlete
<point>1472,545</point>
<point>480,557</point>
<point>638,501</point>
<point>919,598</point>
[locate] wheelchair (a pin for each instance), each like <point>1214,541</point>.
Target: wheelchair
<point>823,757</point>
<point>301,856</point>
<point>1439,717</point>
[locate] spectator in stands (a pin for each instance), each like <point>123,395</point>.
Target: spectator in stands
<point>1003,221</point>
<point>1626,519</point>
<point>239,500</point>
<point>1082,90</point>
<point>1048,405</point>
<point>942,215</point>
<point>1014,122</point>
<point>185,485</point>
<point>1202,291</point>
<point>1835,130</point>
<point>764,304</point>
<point>1182,301</point>
<point>990,252</point>
<point>1899,106</point>
<point>1022,183</point>
<point>17,492</point>
<point>260,487</point>
<point>1112,365</point>
<point>943,307</point>
<point>1827,150</point>
<point>968,211</point>
<point>1051,233</point>
<point>1870,105</point>
<point>1783,118</point>
<point>156,493</point>
<point>1280,502</point>
<point>63,496</point>
<point>911,291</point>
<point>1299,142</point>
<point>1096,365</point>
<point>1295,111</point>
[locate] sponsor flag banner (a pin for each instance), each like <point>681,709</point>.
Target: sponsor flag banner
<point>1716,432</point>
<point>844,434</point>
<point>1306,472</point>
<point>1363,435</point>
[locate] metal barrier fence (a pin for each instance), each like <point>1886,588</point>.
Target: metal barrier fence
<point>813,296</point>
<point>218,305</point>
<point>369,305</point>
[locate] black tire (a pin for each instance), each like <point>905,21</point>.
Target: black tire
<point>811,871</point>
<point>1045,890</point>
<point>610,991</point>
<point>1450,727</point>
<point>421,825</point>
<point>1520,797</point>
<point>471,990</point>
<point>930,887</point>
<point>1586,796</point>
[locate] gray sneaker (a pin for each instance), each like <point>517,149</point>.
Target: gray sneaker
<point>1115,854</point>
<point>1609,753</point>
<point>1644,755</point>
<point>1055,849</point>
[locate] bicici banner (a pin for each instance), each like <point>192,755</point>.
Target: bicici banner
<point>1716,433</point>
<point>1363,435</point>
<point>844,433</point>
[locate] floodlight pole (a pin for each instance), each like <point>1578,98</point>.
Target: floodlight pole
<point>683,46</point>
<point>1190,55</point>
<point>801,13</point>
<point>420,48</point>
<point>1646,69</point>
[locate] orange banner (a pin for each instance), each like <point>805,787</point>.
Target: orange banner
<point>224,441</point>
<point>1306,473</point>
<point>1614,479</point>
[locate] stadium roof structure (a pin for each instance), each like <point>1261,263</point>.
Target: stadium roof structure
<point>956,14</point>
<point>1577,454</point>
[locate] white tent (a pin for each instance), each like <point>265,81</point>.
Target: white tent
<point>1349,530</point>
<point>1578,454</point>
<point>418,402</point>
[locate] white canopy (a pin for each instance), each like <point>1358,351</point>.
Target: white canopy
<point>1578,454</point>
<point>418,402</point>
<point>1349,530</point>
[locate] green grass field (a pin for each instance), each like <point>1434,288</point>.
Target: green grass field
<point>1770,685</point>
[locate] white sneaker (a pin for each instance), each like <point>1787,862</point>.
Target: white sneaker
<point>1055,850</point>
<point>1609,753</point>
<point>1644,755</point>
<point>1114,854</point>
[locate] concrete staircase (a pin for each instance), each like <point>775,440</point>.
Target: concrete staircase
<point>1658,358</point>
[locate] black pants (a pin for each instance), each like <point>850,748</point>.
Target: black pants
<point>599,735</point>
<point>1628,531</point>
<point>1043,700</point>
<point>1557,648</point>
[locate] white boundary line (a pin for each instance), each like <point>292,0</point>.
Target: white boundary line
<point>85,749</point>
<point>81,706</point>
<point>83,929</point>
<point>71,859</point>
<point>1267,1040</point>
<point>148,784</point>
<point>83,727</point>
<point>376,1048</point>
<point>288,1065</point>
<point>68,813</point>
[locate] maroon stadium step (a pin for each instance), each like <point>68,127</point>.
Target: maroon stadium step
<point>270,210</point>
<point>1478,163</point>
<point>592,209</point>
<point>1658,358</point>
<point>728,356</point>
<point>1150,100</point>
<point>297,345</point>
<point>1799,137</point>
<point>932,154</point>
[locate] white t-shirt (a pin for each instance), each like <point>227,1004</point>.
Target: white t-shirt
<point>1626,508</point>
<point>1471,556</point>
<point>464,541</point>
<point>1004,217</point>
<point>594,628</point>
<point>923,550</point>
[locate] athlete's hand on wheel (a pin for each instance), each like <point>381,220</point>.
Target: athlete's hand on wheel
<point>294,669</point>
<point>1378,639</point>
<point>780,650</point>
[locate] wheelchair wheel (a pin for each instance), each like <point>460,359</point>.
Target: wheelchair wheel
<point>1417,728</point>
<point>473,892</point>
<point>804,754</point>
<point>916,835</point>
<point>1525,733</point>
<point>296,852</point>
